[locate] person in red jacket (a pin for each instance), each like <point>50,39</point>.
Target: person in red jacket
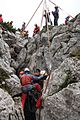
<point>31,93</point>
<point>36,29</point>
<point>1,19</point>
<point>30,90</point>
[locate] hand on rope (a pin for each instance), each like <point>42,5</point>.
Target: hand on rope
<point>47,82</point>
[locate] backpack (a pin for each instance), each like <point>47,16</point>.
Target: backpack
<point>26,79</point>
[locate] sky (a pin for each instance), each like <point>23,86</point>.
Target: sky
<point>20,11</point>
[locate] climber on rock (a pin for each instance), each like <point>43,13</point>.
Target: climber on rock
<point>67,20</point>
<point>31,89</point>
<point>23,26</point>
<point>1,19</point>
<point>31,92</point>
<point>56,15</point>
<point>36,29</point>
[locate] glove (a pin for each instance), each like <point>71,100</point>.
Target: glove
<point>44,77</point>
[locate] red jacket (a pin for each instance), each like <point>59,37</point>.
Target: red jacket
<point>25,79</point>
<point>37,29</point>
<point>1,19</point>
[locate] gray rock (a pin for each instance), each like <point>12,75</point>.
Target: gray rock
<point>63,105</point>
<point>4,51</point>
<point>57,50</point>
<point>63,91</point>
<point>21,56</point>
<point>8,109</point>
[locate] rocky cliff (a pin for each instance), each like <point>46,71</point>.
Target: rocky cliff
<point>63,54</point>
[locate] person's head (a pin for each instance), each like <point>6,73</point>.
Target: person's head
<point>68,17</point>
<point>11,22</point>
<point>21,73</point>
<point>35,25</point>
<point>26,70</point>
<point>0,15</point>
<point>43,72</point>
<point>37,72</point>
<point>24,23</point>
<point>56,7</point>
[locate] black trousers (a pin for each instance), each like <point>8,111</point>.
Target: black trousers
<point>29,109</point>
<point>55,21</point>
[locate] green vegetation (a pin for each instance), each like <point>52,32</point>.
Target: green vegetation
<point>8,28</point>
<point>44,29</point>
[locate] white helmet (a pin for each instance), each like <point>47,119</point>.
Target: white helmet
<point>26,69</point>
<point>42,72</point>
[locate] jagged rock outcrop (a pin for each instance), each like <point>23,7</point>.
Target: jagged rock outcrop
<point>9,110</point>
<point>64,92</point>
<point>60,51</point>
<point>9,86</point>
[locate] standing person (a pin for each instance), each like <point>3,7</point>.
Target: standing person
<point>1,19</point>
<point>56,15</point>
<point>47,18</point>
<point>23,26</point>
<point>36,29</point>
<point>67,20</point>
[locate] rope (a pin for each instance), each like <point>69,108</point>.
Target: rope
<point>42,14</point>
<point>61,8</point>
<point>34,13</point>
<point>49,48</point>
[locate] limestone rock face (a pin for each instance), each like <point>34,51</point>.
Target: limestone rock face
<point>9,86</point>
<point>64,105</point>
<point>64,92</point>
<point>22,55</point>
<point>67,73</point>
<point>8,110</point>
<point>4,51</point>
<point>57,51</point>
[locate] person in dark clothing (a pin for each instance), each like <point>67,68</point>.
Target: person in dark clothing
<point>56,15</point>
<point>47,17</point>
<point>67,20</point>
<point>29,109</point>
<point>23,26</point>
